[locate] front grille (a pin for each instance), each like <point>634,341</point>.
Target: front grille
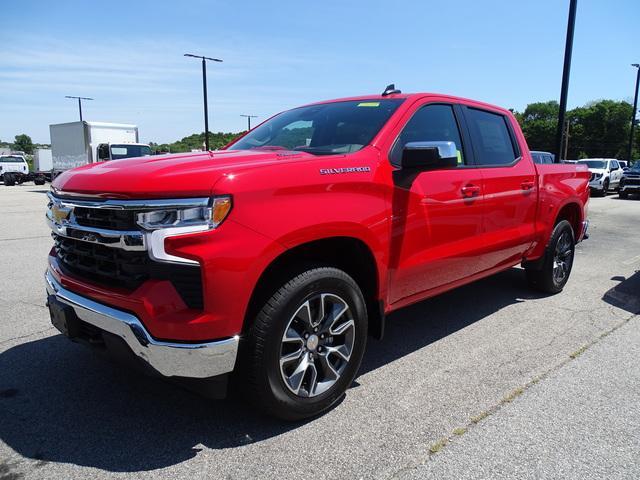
<point>113,267</point>
<point>106,218</point>
<point>632,181</point>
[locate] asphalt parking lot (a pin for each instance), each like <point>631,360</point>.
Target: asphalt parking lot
<point>491,380</point>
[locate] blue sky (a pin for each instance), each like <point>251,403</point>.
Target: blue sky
<point>128,55</point>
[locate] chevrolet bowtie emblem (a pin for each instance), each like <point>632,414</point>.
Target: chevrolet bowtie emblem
<point>60,214</point>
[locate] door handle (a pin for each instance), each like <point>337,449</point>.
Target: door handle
<point>470,191</point>
<point>527,185</point>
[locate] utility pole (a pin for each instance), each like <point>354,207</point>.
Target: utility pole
<point>633,114</point>
<point>566,140</point>
<point>568,49</point>
<point>79,102</point>
<point>249,117</point>
<point>204,91</point>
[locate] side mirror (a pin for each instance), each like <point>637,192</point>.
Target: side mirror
<point>429,155</point>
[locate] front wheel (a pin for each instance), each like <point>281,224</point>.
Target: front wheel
<point>623,194</point>
<point>306,344</point>
<point>557,262</point>
<point>605,188</point>
<point>9,179</point>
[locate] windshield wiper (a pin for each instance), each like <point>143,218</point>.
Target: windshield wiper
<point>316,150</point>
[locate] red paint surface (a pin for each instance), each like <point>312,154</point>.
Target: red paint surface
<point>446,228</point>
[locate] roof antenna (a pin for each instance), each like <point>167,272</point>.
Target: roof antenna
<point>390,90</point>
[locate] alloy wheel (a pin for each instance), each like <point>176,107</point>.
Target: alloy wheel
<point>563,257</point>
<point>317,345</point>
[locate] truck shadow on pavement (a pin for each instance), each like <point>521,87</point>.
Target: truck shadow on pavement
<point>59,402</point>
<point>625,295</point>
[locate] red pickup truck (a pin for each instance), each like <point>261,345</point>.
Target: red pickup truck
<point>275,258</point>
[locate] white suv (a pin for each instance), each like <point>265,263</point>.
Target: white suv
<point>605,174</point>
<point>13,164</point>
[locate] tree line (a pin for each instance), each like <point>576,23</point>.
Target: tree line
<point>195,142</point>
<point>599,129</point>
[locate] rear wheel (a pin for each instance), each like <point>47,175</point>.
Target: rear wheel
<point>306,344</point>
<point>557,262</point>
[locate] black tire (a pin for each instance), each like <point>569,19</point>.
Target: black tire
<point>605,188</point>
<point>623,194</point>
<point>9,180</point>
<point>39,181</point>
<point>263,353</point>
<point>547,278</point>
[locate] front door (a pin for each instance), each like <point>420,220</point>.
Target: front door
<point>437,214</point>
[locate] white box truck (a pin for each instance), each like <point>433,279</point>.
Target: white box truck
<point>79,143</point>
<point>42,160</point>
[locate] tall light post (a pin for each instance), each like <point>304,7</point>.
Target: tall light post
<point>249,117</point>
<point>568,49</point>
<point>633,113</point>
<point>204,91</point>
<point>79,102</point>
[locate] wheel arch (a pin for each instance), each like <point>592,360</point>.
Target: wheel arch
<point>571,212</point>
<point>350,254</point>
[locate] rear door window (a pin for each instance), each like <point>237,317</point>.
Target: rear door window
<point>492,140</point>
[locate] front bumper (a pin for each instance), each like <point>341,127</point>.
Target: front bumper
<point>188,360</point>
<point>596,184</point>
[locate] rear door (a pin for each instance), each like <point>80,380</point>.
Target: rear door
<point>508,184</point>
<point>436,214</point>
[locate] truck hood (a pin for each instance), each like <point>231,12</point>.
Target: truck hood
<point>180,175</point>
<point>598,170</point>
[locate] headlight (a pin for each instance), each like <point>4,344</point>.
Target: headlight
<point>208,217</point>
<point>597,176</point>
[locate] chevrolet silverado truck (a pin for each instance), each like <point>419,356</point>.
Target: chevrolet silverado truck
<point>271,261</point>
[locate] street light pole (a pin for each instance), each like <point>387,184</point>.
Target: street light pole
<point>568,48</point>
<point>79,103</point>
<point>249,117</point>
<point>204,91</point>
<point>633,113</point>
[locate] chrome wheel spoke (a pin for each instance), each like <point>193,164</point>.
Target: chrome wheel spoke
<point>338,308</point>
<point>341,329</point>
<point>303,313</point>
<point>312,381</point>
<point>296,378</point>
<point>342,351</point>
<point>330,372</point>
<point>290,357</point>
<point>292,336</point>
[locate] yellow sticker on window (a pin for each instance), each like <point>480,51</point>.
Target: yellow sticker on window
<point>369,104</point>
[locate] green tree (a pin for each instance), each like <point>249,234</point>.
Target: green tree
<point>597,129</point>
<point>538,122</point>
<point>23,143</point>
<point>196,142</point>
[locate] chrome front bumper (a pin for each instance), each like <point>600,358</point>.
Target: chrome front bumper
<point>191,360</point>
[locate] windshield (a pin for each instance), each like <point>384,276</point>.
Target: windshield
<point>635,167</point>
<point>594,163</point>
<point>12,159</point>
<point>324,129</point>
<point>128,151</point>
